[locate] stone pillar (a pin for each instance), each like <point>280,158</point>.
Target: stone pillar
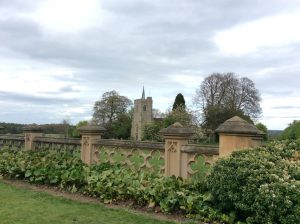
<point>31,132</point>
<point>237,134</point>
<point>89,133</point>
<point>175,137</point>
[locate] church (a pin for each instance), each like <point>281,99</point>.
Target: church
<point>142,115</point>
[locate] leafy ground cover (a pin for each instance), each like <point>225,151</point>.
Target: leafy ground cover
<point>110,183</point>
<point>22,206</point>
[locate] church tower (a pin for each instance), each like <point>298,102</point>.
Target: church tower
<point>142,115</point>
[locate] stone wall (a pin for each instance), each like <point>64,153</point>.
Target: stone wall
<point>12,141</point>
<point>173,157</point>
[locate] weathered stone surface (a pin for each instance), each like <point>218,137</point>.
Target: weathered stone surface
<point>177,129</point>
<point>142,115</point>
<point>237,125</point>
<point>200,149</point>
<point>92,129</point>
<point>237,134</point>
<point>75,141</point>
<point>130,144</point>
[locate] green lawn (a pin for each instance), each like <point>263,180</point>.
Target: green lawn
<point>23,206</point>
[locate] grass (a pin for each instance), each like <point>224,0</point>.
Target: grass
<point>23,206</point>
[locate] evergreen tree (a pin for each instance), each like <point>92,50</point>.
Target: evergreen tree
<point>179,102</point>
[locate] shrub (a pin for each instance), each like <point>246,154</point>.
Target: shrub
<point>260,185</point>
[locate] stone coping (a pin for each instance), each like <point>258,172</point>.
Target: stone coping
<point>178,130</point>
<point>201,149</point>
<point>12,137</point>
<point>130,144</point>
<point>74,141</point>
<point>91,129</point>
<point>237,125</point>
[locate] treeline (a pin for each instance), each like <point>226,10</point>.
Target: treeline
<point>59,129</point>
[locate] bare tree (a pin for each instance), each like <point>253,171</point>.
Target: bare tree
<point>221,96</point>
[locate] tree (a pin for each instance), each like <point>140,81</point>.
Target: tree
<point>180,114</point>
<point>121,127</point>
<point>112,113</point>
<point>260,126</point>
<point>292,131</point>
<point>151,131</point>
<point>66,127</point>
<point>110,107</point>
<point>75,132</point>
<point>222,96</point>
<point>179,102</point>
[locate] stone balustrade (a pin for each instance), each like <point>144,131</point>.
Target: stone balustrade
<point>173,157</point>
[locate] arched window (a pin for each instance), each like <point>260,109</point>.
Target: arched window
<point>144,108</point>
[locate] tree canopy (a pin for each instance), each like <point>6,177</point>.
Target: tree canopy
<point>109,107</point>
<point>292,131</point>
<point>179,102</point>
<point>260,126</point>
<point>112,112</point>
<point>223,95</point>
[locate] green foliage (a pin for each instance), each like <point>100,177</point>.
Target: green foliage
<point>215,116</point>
<point>111,104</point>
<point>179,102</point>
<point>260,126</point>
<point>292,131</point>
<point>121,127</point>
<point>109,182</point>
<point>75,132</point>
<point>46,167</point>
<point>151,131</point>
<point>261,185</point>
<point>180,114</point>
<point>11,128</point>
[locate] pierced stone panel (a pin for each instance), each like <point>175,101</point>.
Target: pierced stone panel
<point>152,160</point>
<point>199,165</point>
<point>12,144</point>
<point>39,145</point>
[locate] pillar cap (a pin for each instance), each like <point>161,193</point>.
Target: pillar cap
<point>33,129</point>
<point>237,125</point>
<point>91,129</point>
<point>177,130</point>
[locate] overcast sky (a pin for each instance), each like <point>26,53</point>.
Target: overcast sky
<point>57,57</point>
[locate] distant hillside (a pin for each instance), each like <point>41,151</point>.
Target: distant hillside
<point>273,134</point>
<point>13,128</point>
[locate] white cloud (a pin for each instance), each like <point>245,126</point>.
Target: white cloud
<point>278,112</point>
<point>69,15</point>
<point>270,32</point>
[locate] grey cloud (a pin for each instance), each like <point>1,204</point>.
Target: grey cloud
<point>146,42</point>
<point>286,107</point>
<point>68,89</point>
<point>45,100</point>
